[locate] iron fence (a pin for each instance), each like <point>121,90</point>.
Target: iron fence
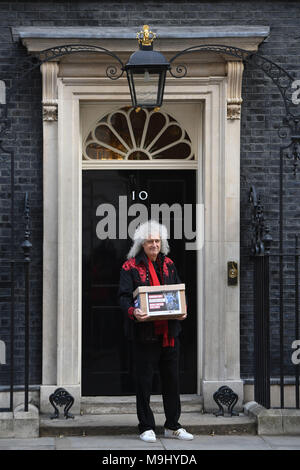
<point>8,283</point>
<point>276,314</point>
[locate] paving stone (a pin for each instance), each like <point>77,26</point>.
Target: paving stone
<point>36,443</point>
<point>107,443</point>
<point>282,441</point>
<point>217,442</point>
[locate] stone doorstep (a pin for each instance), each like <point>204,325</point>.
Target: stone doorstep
<point>6,424</point>
<point>127,404</point>
<point>20,423</point>
<point>113,424</point>
<point>274,421</point>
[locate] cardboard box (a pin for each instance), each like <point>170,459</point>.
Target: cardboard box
<point>165,302</point>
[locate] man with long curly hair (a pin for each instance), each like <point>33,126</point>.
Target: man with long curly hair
<point>155,343</point>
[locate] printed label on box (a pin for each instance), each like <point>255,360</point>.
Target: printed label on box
<point>163,302</point>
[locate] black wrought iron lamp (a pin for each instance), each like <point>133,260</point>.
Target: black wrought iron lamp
<point>146,72</point>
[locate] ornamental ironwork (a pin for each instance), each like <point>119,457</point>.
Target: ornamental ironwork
<point>61,397</point>
<point>227,397</point>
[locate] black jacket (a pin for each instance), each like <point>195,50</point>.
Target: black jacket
<point>135,273</point>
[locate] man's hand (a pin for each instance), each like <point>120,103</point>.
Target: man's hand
<point>183,317</point>
<point>140,315</point>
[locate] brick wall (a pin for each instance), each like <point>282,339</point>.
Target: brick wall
<point>261,115</point>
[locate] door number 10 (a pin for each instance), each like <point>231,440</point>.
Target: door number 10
<point>142,195</point>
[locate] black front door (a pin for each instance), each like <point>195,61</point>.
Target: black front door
<point>108,195</point>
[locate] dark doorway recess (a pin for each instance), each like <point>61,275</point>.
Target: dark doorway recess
<point>106,353</point>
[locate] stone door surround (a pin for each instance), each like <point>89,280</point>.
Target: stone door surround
<point>214,81</point>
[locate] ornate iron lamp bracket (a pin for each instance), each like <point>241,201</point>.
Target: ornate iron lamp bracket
<point>29,64</point>
<point>280,77</point>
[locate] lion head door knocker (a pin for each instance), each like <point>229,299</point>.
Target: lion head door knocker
<point>60,398</point>
<point>225,396</point>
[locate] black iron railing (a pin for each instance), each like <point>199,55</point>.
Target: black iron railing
<point>10,267</point>
<point>273,351</point>
<point>288,322</point>
<point>262,331</point>
<point>9,300</point>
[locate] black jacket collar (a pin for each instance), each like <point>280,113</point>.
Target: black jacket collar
<point>142,258</point>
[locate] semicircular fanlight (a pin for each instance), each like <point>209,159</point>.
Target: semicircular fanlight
<point>145,135</point>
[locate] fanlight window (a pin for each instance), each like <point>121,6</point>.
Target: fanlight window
<point>145,135</point>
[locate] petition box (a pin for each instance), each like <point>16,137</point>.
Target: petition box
<point>165,302</point>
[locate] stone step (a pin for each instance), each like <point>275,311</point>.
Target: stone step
<point>123,424</point>
<point>127,404</point>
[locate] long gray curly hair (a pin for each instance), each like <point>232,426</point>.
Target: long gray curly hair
<point>142,232</point>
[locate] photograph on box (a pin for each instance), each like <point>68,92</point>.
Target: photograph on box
<point>159,303</point>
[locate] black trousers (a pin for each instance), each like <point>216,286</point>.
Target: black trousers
<point>148,358</point>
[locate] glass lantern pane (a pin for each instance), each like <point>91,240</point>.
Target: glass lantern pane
<point>146,88</point>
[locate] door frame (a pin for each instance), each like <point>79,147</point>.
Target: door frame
<point>188,370</point>
<point>218,306</point>
<point>164,165</point>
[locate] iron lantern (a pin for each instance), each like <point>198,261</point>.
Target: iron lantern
<point>146,73</point>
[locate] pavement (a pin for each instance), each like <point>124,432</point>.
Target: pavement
<point>110,444</point>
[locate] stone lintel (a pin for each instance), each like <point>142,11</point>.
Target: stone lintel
<point>118,39</point>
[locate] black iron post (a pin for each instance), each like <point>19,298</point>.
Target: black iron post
<point>260,249</point>
<point>281,320</point>
<point>297,316</point>
<point>261,329</point>
<point>26,246</point>
<point>12,333</point>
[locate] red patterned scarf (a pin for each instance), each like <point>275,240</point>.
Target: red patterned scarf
<point>161,326</point>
